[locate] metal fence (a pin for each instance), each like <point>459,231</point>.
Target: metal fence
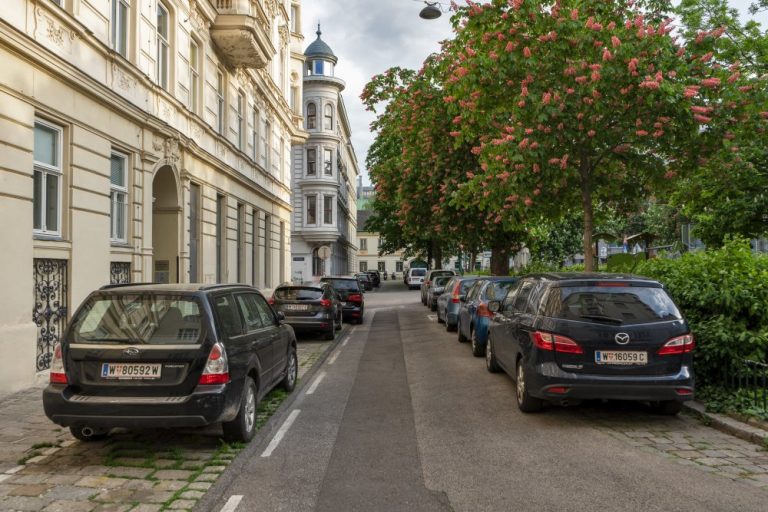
<point>750,378</point>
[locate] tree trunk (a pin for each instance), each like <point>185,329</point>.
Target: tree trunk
<point>429,253</point>
<point>472,259</point>
<point>500,260</point>
<point>586,203</point>
<point>438,252</point>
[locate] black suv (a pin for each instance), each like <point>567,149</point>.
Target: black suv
<point>309,307</point>
<point>160,355</point>
<point>348,288</point>
<point>571,336</point>
<point>375,277</point>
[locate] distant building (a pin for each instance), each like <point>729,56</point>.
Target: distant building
<point>369,243</point>
<point>325,172</point>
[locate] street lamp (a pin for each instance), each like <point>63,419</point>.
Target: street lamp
<point>431,11</point>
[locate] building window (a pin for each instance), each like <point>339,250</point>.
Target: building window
<point>220,103</point>
<point>363,266</point>
<point>162,45</point>
<point>382,266</point>
<point>311,116</point>
<point>328,118</point>
<point>118,194</point>
<point>311,210</point>
<point>363,244</point>
<point>318,265</point>
<point>282,159</point>
<point>318,67</point>
<point>311,162</point>
<point>327,209</point>
<point>221,245</point>
<point>268,146</point>
<point>281,72</point>
<point>241,121</point>
<point>120,26</point>
<point>328,162</point>
<point>398,266</point>
<point>295,19</point>
<point>194,76</point>
<point>295,100</point>
<point>255,133</point>
<point>47,179</point>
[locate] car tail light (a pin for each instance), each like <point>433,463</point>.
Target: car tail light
<point>550,342</point>
<point>679,345</point>
<point>326,303</point>
<point>216,368</point>
<point>560,390</point>
<point>427,283</point>
<point>271,300</point>
<point>58,376</point>
<point>482,310</point>
<point>355,297</point>
<point>455,294</point>
<point>684,391</point>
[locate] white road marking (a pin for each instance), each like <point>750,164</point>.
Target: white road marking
<point>317,382</point>
<point>232,503</point>
<point>281,433</point>
<point>14,470</point>
<point>352,330</point>
<point>4,477</point>
<point>334,356</point>
<point>343,343</point>
<point>432,318</point>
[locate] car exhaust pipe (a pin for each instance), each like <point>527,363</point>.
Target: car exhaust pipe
<point>87,432</point>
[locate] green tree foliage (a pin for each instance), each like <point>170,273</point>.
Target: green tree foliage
<point>572,102</point>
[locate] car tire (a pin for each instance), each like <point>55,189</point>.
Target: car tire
<point>88,434</point>
<point>491,364</point>
<point>478,350</point>
<point>449,327</point>
<point>243,427</point>
<point>525,402</point>
<point>668,407</point>
<point>439,318</point>
<point>331,332</point>
<point>291,372</point>
<point>338,325</point>
<point>433,306</point>
<point>462,338</point>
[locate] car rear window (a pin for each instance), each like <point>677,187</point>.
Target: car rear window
<point>614,304</point>
<point>418,272</point>
<point>139,319</point>
<point>441,280</point>
<point>465,285</point>
<point>344,284</point>
<point>297,293</point>
<point>499,289</point>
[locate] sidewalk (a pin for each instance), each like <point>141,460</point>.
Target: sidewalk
<point>43,468</point>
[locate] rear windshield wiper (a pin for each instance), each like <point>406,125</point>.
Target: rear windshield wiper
<point>603,318</point>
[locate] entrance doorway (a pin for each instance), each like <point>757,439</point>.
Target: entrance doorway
<point>166,216</point>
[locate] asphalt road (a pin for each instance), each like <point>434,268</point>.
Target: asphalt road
<point>401,417</point>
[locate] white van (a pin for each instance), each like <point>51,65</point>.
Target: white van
<point>415,277</point>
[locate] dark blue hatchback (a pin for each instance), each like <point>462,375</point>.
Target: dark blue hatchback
<point>572,336</point>
<point>474,315</point>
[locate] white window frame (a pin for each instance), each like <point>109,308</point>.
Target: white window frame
<point>306,205</point>
<point>295,19</point>
<point>328,117</point>
<point>241,103</point>
<point>326,197</point>
<point>114,192</point>
<point>268,146</point>
<point>255,119</point>
<point>194,75</point>
<point>163,47</point>
<point>327,162</point>
<point>312,169</point>
<point>363,244</point>
<point>311,115</point>
<point>119,32</point>
<point>49,170</point>
<point>221,102</point>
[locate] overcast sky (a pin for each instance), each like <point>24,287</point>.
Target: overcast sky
<point>370,36</point>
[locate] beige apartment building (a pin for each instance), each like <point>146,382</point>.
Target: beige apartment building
<point>140,141</point>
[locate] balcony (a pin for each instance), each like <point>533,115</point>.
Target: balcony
<point>242,32</point>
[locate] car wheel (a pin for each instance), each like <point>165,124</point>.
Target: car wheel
<point>338,325</point>
<point>668,407</point>
<point>88,434</point>
<point>449,327</point>
<point>478,350</point>
<point>242,428</point>
<point>331,332</point>
<point>439,318</point>
<point>291,372</point>
<point>462,338</point>
<point>490,358</point>
<point>525,402</point>
<point>433,306</point>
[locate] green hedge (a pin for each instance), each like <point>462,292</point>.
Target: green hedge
<point>723,293</point>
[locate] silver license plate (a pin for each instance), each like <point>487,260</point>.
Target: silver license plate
<point>627,357</point>
<point>296,307</point>
<point>130,371</point>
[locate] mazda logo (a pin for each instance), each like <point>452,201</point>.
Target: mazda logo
<point>131,351</point>
<point>621,338</point>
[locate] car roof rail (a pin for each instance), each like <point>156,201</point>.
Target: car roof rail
<point>121,285</point>
<point>221,285</point>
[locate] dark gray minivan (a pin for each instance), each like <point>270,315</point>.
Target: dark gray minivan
<point>169,355</point>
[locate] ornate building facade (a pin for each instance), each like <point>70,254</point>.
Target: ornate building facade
<point>325,171</point>
<point>142,141</point>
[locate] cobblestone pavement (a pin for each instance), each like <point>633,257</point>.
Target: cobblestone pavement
<point>43,468</point>
<point>683,438</point>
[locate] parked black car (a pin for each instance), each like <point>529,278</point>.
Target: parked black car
<point>351,294</point>
<point>178,355</point>
<point>375,277</point>
<point>309,307</point>
<point>365,281</point>
<point>571,336</point>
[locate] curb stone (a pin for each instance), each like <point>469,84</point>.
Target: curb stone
<point>728,425</point>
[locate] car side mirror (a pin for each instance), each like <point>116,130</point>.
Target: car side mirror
<point>280,316</point>
<point>463,298</point>
<point>494,306</point>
